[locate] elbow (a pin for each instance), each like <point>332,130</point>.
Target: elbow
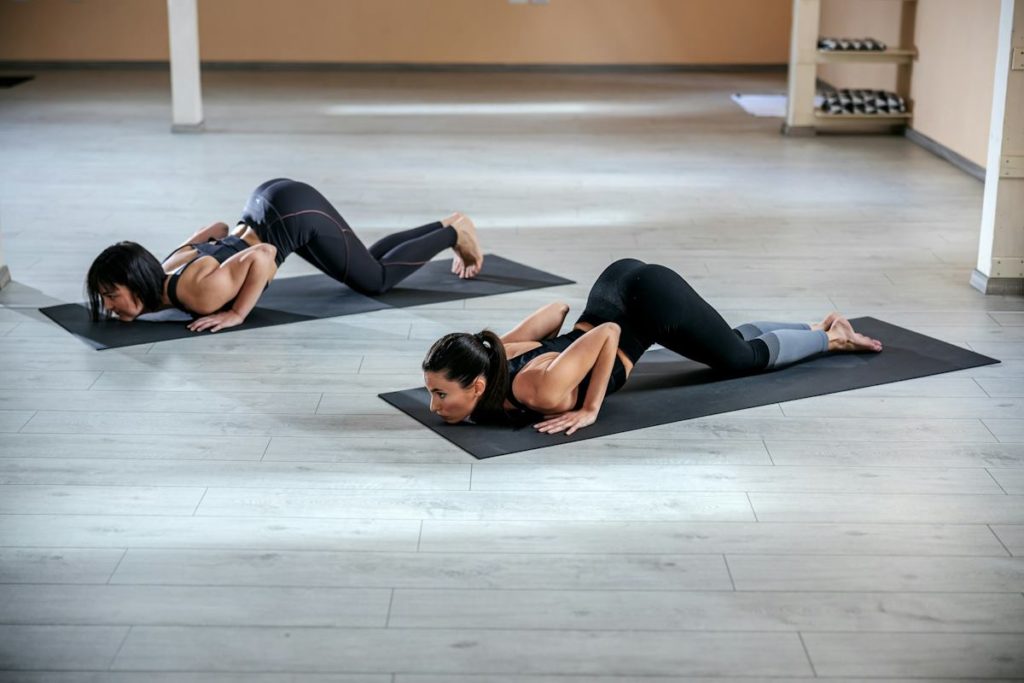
<point>261,255</point>
<point>539,399</point>
<point>612,330</point>
<point>205,308</point>
<point>544,404</point>
<point>561,307</point>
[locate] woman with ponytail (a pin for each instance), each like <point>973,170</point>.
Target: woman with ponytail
<point>527,373</point>
<point>474,370</point>
<point>560,381</point>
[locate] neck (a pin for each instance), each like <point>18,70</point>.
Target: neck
<point>165,301</point>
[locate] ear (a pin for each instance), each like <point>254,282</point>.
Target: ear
<point>479,386</point>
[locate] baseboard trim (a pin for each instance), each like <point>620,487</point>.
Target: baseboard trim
<point>402,66</point>
<point>799,131</point>
<point>188,127</point>
<point>940,150</point>
<point>997,285</point>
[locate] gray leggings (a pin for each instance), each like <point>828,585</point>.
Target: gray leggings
<point>654,305</point>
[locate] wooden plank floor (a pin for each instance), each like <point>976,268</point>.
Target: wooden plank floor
<point>243,508</point>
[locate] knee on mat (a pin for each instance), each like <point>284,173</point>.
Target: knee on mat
<point>375,290</point>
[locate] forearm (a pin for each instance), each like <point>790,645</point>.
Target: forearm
<point>552,389</point>
<point>213,231</point>
<point>554,325</point>
<point>593,353</point>
<point>258,274</point>
<point>602,372</point>
<point>542,324</point>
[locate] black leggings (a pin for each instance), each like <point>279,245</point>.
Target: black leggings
<point>295,217</point>
<point>654,305</point>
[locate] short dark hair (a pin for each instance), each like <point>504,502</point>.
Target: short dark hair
<point>130,265</point>
<point>463,357</point>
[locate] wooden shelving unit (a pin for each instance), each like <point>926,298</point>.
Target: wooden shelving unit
<point>891,56</point>
<point>835,122</point>
<point>861,117</point>
<point>802,118</point>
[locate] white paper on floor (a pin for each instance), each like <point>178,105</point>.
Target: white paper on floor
<point>761,105</point>
<point>765,105</point>
<point>167,315</point>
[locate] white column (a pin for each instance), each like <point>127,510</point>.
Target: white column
<point>803,68</point>
<point>186,89</point>
<point>1001,243</point>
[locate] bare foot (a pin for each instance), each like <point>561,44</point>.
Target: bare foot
<point>841,337</point>
<point>826,323</point>
<point>469,259</point>
<point>458,266</point>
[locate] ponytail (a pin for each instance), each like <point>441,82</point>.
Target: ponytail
<point>464,357</point>
<point>492,403</point>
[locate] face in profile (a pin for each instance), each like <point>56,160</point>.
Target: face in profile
<point>449,400</point>
<point>124,281</point>
<point>121,301</point>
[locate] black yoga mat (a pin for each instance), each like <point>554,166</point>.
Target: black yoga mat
<point>11,81</point>
<point>310,297</point>
<point>665,387</point>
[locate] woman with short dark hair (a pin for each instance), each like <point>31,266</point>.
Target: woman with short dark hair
<point>218,274</point>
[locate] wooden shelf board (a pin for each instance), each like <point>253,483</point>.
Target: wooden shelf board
<point>896,56</point>
<point>882,118</point>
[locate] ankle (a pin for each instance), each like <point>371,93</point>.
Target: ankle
<point>835,341</point>
<point>450,221</point>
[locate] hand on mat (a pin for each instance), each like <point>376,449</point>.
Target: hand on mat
<point>569,422</point>
<point>217,321</point>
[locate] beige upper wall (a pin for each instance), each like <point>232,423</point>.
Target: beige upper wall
<point>57,30</point>
<point>955,72</point>
<point>951,87</point>
<point>408,31</point>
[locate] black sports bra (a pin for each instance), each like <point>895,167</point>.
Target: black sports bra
<point>221,250</point>
<point>559,344</point>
